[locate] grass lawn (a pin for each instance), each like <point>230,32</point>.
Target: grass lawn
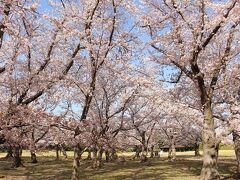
<point>186,167</point>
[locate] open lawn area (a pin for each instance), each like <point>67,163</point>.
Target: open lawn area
<point>186,167</point>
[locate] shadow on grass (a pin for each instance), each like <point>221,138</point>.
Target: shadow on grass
<point>182,168</point>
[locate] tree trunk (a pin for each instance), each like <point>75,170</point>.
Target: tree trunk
<point>17,159</point>
<point>64,153</point>
<point>89,157</point>
<point>76,163</point>
<point>173,152</point>
<point>94,159</point>
<point>209,168</point>
<point>9,152</point>
<point>99,158</point>
<point>152,152</point>
<point>137,153</point>
<point>57,152</point>
<point>33,153</point>
<point>144,154</point>
<point>196,150</point>
<point>169,152</point>
<point>172,149</point>
<point>114,156</point>
<point>107,156</point>
<point>236,140</point>
<point>156,154</point>
<point>33,156</point>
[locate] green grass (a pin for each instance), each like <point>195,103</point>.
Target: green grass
<point>186,167</point>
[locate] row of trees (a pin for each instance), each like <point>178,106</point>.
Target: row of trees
<point>104,75</point>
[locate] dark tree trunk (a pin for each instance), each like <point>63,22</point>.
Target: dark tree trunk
<point>137,152</point>
<point>76,163</point>
<point>33,157</point>
<point>144,158</point>
<point>152,152</point>
<point>156,154</point>
<point>33,152</point>
<point>9,152</point>
<point>209,168</point>
<point>196,150</point>
<point>114,156</point>
<point>17,159</point>
<point>57,152</point>
<point>107,155</point>
<point>236,140</point>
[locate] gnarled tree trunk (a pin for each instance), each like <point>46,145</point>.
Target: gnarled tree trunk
<point>209,168</point>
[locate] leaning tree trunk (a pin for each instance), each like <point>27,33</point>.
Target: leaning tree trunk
<point>236,140</point>
<point>209,168</point>
<point>17,159</point>
<point>76,163</point>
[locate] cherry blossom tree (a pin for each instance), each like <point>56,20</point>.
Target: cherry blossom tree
<point>30,56</point>
<point>199,39</point>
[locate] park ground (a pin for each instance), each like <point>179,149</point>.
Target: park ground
<point>186,167</point>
